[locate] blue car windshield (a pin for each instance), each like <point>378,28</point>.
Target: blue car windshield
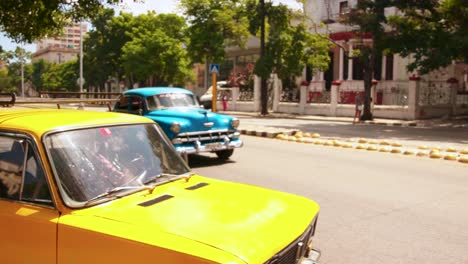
<point>168,100</point>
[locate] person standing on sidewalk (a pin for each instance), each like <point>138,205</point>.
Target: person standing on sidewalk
<point>358,109</point>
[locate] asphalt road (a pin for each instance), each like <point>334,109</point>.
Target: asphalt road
<point>375,207</point>
<point>432,133</point>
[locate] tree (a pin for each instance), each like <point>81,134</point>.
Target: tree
<point>62,77</point>
<point>288,48</point>
<point>27,20</point>
<point>214,25</point>
<point>156,53</point>
<point>433,32</point>
<point>5,82</point>
<point>368,18</point>
<point>17,70</point>
<point>103,47</point>
<point>39,68</point>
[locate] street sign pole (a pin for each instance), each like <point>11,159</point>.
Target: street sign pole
<point>214,70</point>
<point>214,85</point>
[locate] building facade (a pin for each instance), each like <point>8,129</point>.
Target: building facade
<point>61,48</point>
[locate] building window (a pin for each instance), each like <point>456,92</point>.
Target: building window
<point>344,7</point>
<point>389,67</point>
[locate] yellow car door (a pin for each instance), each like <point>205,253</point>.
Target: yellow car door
<point>28,219</point>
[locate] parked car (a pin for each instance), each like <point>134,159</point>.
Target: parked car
<point>207,97</point>
<point>102,187</point>
<point>191,128</point>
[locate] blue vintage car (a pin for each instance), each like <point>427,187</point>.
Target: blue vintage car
<point>191,128</point>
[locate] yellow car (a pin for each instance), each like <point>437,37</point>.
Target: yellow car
<point>102,187</point>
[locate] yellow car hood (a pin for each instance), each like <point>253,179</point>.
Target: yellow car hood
<point>249,222</point>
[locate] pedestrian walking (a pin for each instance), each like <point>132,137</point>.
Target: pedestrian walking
<point>224,98</point>
<point>358,108</point>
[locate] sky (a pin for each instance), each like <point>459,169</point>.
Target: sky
<point>160,6</point>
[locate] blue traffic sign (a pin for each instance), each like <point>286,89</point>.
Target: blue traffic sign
<point>214,68</point>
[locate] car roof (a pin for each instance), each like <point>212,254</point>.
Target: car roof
<point>149,91</point>
<point>40,121</point>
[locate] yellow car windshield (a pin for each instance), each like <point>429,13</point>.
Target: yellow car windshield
<point>94,161</point>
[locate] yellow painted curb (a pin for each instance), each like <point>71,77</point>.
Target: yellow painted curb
<point>372,148</point>
<point>337,143</point>
<point>361,146</point>
<point>385,149</point>
<point>396,150</point>
<point>318,142</point>
<point>281,137</point>
<point>450,157</point>
<point>362,140</point>
<point>463,159</point>
<point>408,152</point>
<point>451,149</point>
<point>315,135</point>
<point>384,143</point>
<point>422,153</point>
<point>435,155</point>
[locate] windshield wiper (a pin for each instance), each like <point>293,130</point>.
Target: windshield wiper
<point>114,191</point>
<point>169,176</point>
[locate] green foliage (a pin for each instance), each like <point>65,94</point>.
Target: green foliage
<point>433,32</point>
<point>39,67</point>
<point>5,82</point>
<point>155,53</point>
<point>27,20</point>
<point>288,48</point>
<point>368,18</point>
<point>103,47</point>
<point>148,48</point>
<point>62,77</point>
<point>214,25</point>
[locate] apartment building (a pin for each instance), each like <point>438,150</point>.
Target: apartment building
<point>61,48</point>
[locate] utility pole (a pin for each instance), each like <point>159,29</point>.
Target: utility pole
<point>81,58</point>
<point>22,70</point>
<point>263,86</point>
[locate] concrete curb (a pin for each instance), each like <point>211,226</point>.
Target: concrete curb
<point>382,146</point>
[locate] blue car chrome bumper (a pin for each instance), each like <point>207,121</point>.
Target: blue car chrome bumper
<point>198,147</point>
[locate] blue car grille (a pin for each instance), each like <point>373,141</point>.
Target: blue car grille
<point>205,136</point>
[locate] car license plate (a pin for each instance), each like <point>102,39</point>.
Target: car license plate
<point>213,146</point>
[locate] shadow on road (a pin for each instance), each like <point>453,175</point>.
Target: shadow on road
<point>197,161</point>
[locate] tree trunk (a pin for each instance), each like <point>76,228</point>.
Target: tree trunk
<point>368,75</point>
<point>263,84</point>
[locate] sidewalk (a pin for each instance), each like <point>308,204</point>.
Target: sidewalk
<point>461,121</point>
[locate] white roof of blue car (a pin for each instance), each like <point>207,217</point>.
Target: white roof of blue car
<point>149,91</point>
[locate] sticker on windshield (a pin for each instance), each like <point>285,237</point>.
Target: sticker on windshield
<point>105,131</point>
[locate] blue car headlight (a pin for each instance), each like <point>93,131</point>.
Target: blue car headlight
<point>175,127</point>
<point>235,123</point>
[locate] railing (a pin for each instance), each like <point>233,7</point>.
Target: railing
<point>65,94</point>
<point>7,103</point>
<point>65,101</point>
